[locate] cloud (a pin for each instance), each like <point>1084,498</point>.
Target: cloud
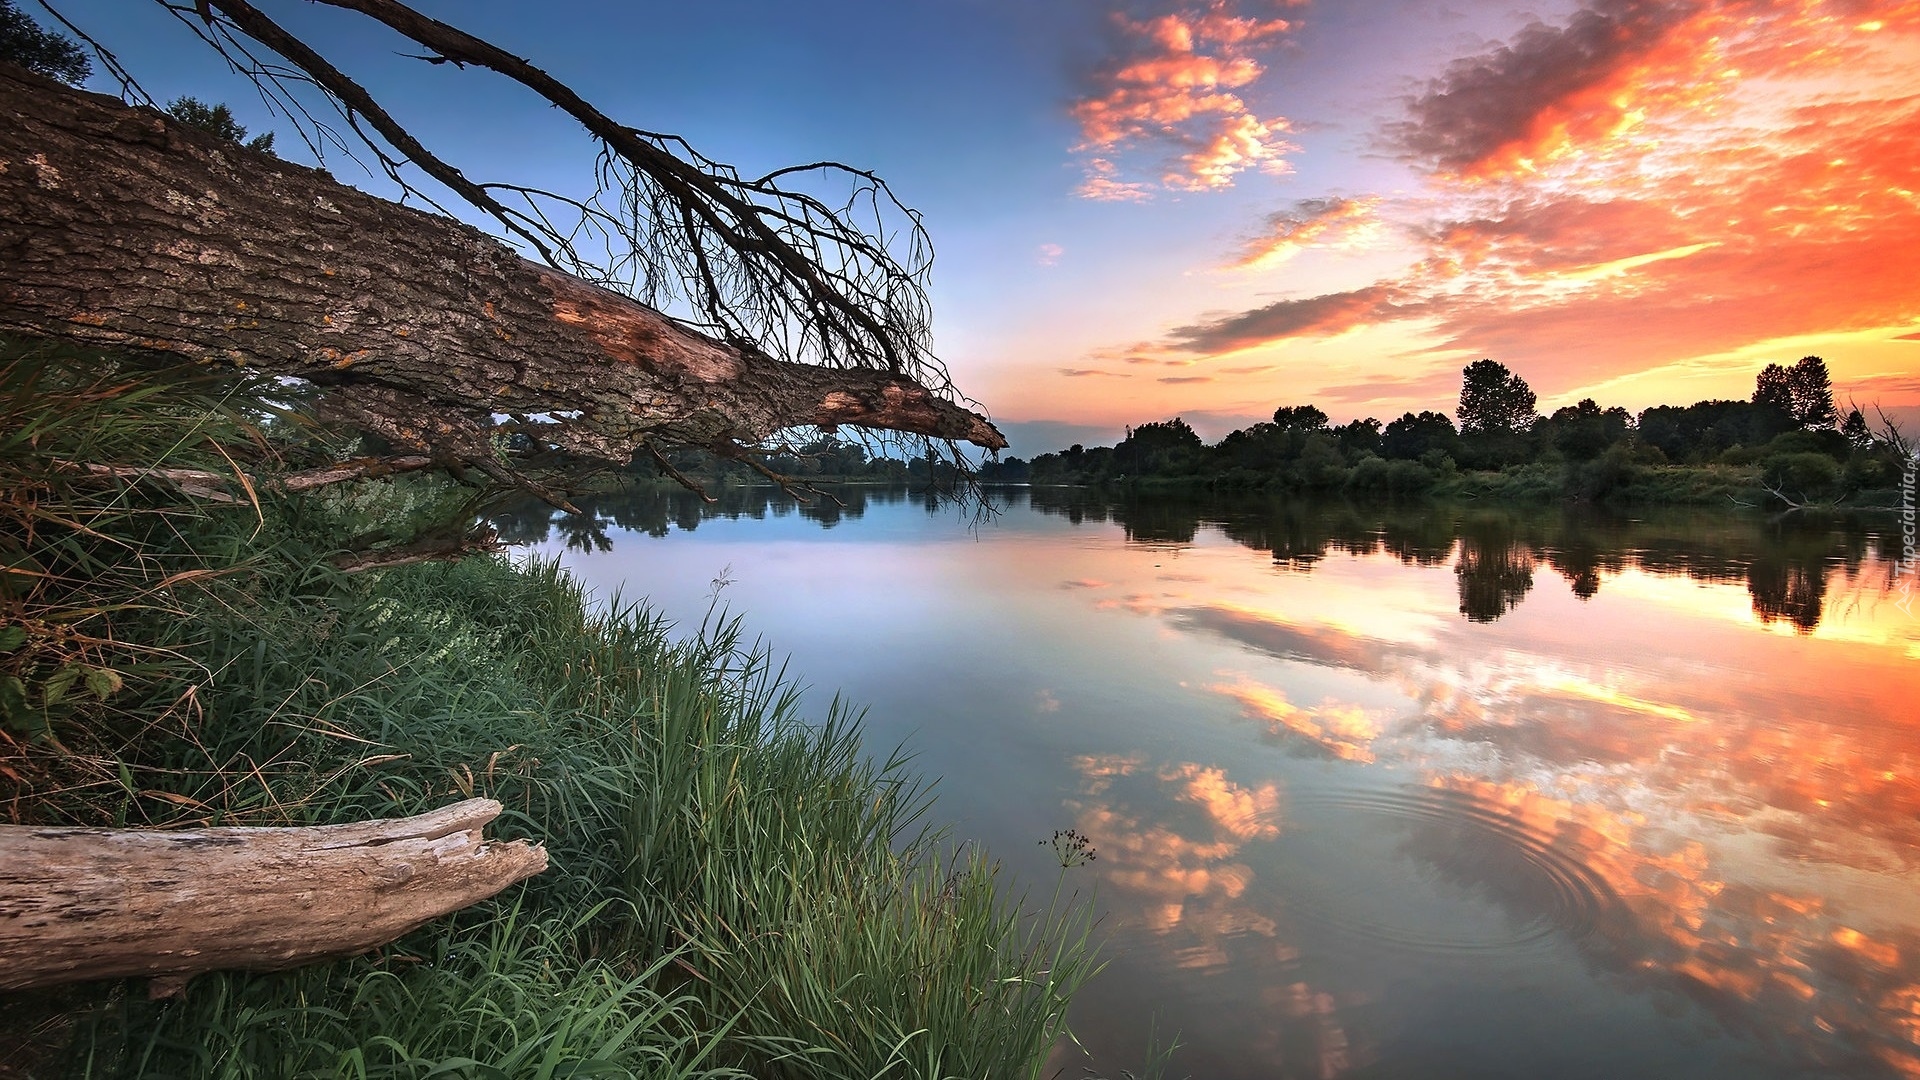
<point>1177,81</point>
<point>1328,222</point>
<point>1048,254</point>
<point>1185,379</point>
<point>1315,316</point>
<point>1101,186</point>
<point>1548,86</point>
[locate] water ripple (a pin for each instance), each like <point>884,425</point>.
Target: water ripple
<point>1539,888</point>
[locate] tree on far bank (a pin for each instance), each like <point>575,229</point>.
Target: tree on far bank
<point>1158,447</point>
<point>1583,432</point>
<point>217,120</point>
<point>1412,437</point>
<point>23,42</point>
<point>1858,434</point>
<point>1804,392</point>
<point>1300,417</point>
<point>1494,400</point>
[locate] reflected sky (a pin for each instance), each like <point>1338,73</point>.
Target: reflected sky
<point>1407,793</point>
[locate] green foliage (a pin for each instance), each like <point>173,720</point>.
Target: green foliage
<point>1611,473</point>
<point>87,559</point>
<point>1803,476</point>
<point>217,120</point>
<point>42,52</point>
<point>1377,477</point>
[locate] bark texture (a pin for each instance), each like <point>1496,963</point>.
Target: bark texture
<point>79,904</point>
<point>119,227</point>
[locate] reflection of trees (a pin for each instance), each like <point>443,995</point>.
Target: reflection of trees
<point>1159,521</point>
<point>1582,548</point>
<point>1494,567</point>
<point>1495,549</point>
<point>1788,577</point>
<point>656,512</point>
<point>1787,589</point>
<point>1422,537</point>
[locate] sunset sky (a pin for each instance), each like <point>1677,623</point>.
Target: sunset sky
<point>1210,209</point>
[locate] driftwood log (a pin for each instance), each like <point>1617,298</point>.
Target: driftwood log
<point>122,228</point>
<point>78,904</point>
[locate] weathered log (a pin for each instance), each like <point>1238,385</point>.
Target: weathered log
<point>121,228</point>
<point>78,904</point>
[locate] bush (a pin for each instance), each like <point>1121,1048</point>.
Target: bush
<point>1376,477</point>
<point>1609,475</point>
<point>1803,476</point>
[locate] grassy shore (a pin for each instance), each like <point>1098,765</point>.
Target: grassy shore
<point>737,888</point>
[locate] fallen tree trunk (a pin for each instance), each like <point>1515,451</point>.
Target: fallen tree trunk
<point>121,228</point>
<point>78,904</point>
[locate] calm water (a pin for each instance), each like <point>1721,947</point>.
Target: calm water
<point>1417,793</point>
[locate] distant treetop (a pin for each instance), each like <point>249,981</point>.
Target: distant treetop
<point>42,52</point>
<point>217,120</point>
<point>1494,400</point>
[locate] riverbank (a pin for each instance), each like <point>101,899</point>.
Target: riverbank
<point>737,887</point>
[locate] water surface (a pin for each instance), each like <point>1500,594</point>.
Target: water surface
<point>1427,792</point>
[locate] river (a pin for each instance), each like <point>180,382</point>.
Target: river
<point>1421,792</point>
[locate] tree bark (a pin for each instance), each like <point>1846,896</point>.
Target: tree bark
<point>121,228</point>
<point>79,904</point>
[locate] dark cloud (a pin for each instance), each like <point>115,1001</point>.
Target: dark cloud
<point>1488,103</point>
<point>1185,378</point>
<point>1309,317</point>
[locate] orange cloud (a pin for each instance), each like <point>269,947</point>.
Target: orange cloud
<point>1341,223</point>
<point>1179,82</point>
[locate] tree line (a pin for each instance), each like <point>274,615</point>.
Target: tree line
<point>1788,439</point>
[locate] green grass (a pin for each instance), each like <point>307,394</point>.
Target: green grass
<point>736,886</point>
